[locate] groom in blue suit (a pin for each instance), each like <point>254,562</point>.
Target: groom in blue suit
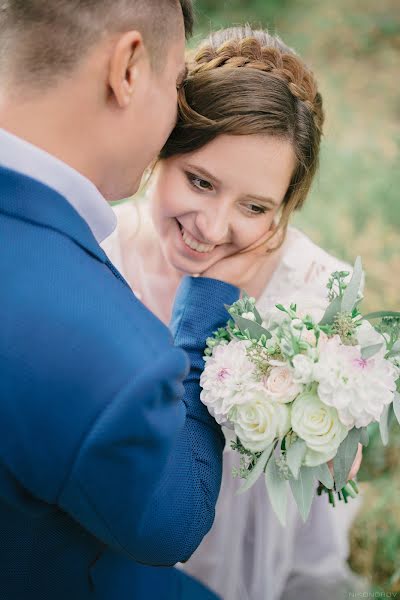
<point>110,466</point>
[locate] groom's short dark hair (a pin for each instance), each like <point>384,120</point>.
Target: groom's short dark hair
<point>41,39</point>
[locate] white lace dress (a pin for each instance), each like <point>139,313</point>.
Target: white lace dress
<point>248,555</point>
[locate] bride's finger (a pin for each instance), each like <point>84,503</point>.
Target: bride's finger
<point>269,240</point>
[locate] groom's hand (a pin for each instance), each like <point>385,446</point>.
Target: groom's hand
<point>241,268</point>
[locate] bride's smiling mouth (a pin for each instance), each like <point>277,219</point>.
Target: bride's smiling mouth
<point>193,246</point>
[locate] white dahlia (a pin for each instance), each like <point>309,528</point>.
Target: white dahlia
<point>228,374</point>
<point>358,388</point>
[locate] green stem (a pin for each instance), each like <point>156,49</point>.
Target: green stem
<point>354,486</point>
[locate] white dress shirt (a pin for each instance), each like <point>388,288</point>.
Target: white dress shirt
<point>82,194</point>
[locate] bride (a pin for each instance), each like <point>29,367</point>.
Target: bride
<point>240,161</point>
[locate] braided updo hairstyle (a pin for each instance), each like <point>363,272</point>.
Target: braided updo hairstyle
<point>246,82</point>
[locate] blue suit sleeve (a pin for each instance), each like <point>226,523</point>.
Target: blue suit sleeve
<point>182,509</point>
<point>113,475</point>
<point>147,475</point>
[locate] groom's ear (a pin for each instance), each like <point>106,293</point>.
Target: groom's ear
<point>129,59</point>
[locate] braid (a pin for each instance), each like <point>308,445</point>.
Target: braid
<point>276,59</point>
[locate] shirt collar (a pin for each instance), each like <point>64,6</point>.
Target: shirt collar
<point>82,194</point>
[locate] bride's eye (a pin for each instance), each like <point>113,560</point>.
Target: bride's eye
<point>199,183</point>
<point>255,209</point>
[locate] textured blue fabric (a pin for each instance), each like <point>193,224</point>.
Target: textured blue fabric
<point>107,457</point>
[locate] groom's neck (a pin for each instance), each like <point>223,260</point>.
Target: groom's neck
<point>64,133</point>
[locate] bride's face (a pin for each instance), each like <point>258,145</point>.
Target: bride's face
<point>219,200</point>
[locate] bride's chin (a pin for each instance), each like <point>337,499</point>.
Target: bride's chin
<point>188,267</point>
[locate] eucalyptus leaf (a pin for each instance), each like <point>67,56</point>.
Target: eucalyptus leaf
<point>277,488</point>
<point>257,316</point>
<point>331,312</point>
<point>350,294</point>
<point>364,436</point>
<point>345,456</point>
<point>256,471</point>
<point>294,456</point>
<point>384,425</point>
<point>323,474</point>
<point>370,351</point>
<point>303,490</point>
<point>396,406</point>
<point>255,330</point>
<point>396,348</point>
<point>382,314</point>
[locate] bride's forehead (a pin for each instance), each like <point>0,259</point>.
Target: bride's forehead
<point>244,158</point>
<point>250,148</point>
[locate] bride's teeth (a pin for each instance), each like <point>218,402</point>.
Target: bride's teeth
<point>193,244</point>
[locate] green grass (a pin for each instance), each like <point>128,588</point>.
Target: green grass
<point>354,207</point>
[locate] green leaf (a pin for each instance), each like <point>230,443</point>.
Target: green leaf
<point>331,312</point>
<point>281,308</point>
<point>257,470</point>
<point>350,294</point>
<point>257,315</point>
<point>384,425</point>
<point>255,330</point>
<point>382,314</point>
<point>364,436</point>
<point>303,490</point>
<point>396,347</point>
<point>323,474</point>
<point>396,406</point>
<point>294,456</point>
<point>345,456</point>
<point>370,351</point>
<point>277,488</point>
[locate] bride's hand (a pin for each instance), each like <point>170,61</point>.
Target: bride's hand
<point>356,464</point>
<point>241,268</point>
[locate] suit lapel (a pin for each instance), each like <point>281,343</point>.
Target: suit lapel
<point>29,200</point>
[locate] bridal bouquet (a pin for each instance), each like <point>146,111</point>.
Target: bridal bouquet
<point>299,386</point>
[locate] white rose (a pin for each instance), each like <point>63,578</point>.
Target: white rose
<point>280,384</point>
<point>303,368</point>
<point>284,420</point>
<point>319,426</point>
<point>256,422</point>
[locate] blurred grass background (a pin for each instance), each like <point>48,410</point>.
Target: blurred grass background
<point>354,48</point>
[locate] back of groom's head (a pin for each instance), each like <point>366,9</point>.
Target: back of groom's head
<point>41,39</point>
<point>94,82</point>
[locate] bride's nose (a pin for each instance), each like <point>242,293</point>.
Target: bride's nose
<point>213,226</point>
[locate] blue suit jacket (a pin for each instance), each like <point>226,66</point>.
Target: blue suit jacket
<point>107,457</point>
